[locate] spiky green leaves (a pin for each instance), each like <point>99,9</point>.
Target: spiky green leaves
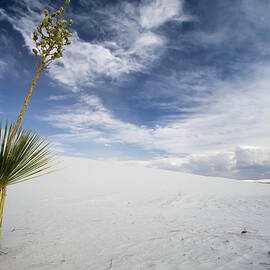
<point>52,35</point>
<point>27,157</point>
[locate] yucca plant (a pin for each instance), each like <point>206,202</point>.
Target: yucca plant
<point>23,154</point>
<point>28,156</point>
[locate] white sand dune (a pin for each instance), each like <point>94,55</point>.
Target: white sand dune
<point>99,215</point>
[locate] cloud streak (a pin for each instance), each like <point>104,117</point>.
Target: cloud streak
<point>3,66</point>
<point>86,63</point>
<point>155,13</point>
<point>238,117</point>
<point>226,137</point>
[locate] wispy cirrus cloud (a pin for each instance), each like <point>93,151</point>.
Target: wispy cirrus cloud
<point>155,13</point>
<point>236,116</point>
<point>3,66</point>
<point>24,22</point>
<point>88,62</point>
<point>228,136</point>
<point>59,97</point>
<point>3,15</point>
<point>85,62</point>
<point>90,119</point>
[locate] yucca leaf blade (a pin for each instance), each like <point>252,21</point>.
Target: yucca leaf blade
<point>28,156</point>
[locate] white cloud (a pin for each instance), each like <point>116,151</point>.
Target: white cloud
<point>132,50</point>
<point>59,97</point>
<point>213,38</point>
<point>57,147</point>
<point>242,163</point>
<point>252,157</point>
<point>157,12</point>
<point>3,66</point>
<point>90,119</point>
<point>227,136</point>
<point>85,62</point>
<point>236,116</point>
<point>26,23</point>
<point>3,15</point>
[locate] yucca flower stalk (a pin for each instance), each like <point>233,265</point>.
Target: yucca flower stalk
<point>23,154</point>
<point>27,157</point>
<point>50,37</point>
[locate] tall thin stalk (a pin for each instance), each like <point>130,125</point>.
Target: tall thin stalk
<point>51,36</point>
<point>26,101</point>
<point>2,202</point>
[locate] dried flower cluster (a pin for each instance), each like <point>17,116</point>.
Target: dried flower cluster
<point>51,36</point>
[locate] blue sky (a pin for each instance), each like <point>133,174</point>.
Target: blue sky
<point>180,85</point>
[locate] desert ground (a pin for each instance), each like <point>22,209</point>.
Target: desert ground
<point>101,215</point>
